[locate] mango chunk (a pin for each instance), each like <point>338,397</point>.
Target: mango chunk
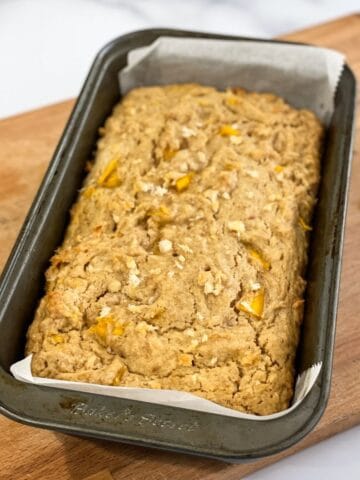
<point>161,214</point>
<point>57,338</point>
<point>109,177</point>
<point>228,130</point>
<point>183,183</point>
<point>106,325</point>
<point>254,305</point>
<point>185,359</point>
<point>259,258</point>
<point>168,153</point>
<point>89,191</point>
<point>232,100</point>
<point>118,377</point>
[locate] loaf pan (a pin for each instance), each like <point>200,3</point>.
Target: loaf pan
<point>176,429</point>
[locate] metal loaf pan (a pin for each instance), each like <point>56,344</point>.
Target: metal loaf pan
<point>21,286</point>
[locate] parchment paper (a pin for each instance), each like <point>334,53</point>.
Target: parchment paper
<point>305,76</point>
<point>22,371</point>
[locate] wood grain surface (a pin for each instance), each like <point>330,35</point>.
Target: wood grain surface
<point>26,145</point>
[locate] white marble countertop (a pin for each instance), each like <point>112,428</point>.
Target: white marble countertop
<point>46,48</point>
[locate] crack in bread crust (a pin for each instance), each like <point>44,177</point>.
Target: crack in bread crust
<point>182,266</point>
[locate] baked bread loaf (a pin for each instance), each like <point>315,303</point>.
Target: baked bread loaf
<point>183,264</point>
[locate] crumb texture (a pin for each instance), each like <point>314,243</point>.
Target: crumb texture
<point>182,266</point>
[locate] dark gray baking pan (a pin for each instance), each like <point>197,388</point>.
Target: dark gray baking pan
<point>226,438</point>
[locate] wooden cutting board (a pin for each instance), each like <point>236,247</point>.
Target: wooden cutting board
<point>26,145</point>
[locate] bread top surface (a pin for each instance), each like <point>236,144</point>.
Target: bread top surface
<point>183,264</point>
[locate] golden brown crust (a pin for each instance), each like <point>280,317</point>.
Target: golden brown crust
<point>183,263</point>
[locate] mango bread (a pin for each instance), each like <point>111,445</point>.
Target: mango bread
<point>183,264</point>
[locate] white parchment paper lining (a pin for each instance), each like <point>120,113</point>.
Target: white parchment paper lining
<point>22,371</point>
<point>305,76</point>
